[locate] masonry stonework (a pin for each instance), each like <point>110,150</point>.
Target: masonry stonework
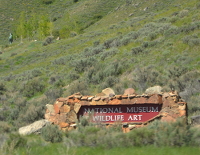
<point>131,109</point>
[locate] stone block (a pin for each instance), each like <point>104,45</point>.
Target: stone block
<point>141,100</point>
<point>77,107</point>
<point>50,107</point>
<point>59,104</point>
<point>63,125</point>
<point>108,91</point>
<point>61,99</point>
<point>115,102</point>
<point>155,99</point>
<point>65,109</point>
<point>129,91</point>
<point>182,113</point>
<point>56,109</point>
<point>168,118</point>
<point>71,117</point>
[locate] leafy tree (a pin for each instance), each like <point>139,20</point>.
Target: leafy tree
<point>21,28</point>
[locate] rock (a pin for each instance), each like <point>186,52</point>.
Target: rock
<point>50,107</point>
<point>129,91</point>
<point>33,128</point>
<point>100,94</point>
<point>145,9</point>
<point>65,109</point>
<point>108,91</point>
<point>77,106</point>
<point>71,117</point>
<point>195,119</point>
<point>63,125</point>
<point>154,90</point>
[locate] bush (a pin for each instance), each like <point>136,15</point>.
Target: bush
<point>13,142</point>
<point>137,50</point>
<point>109,53</point>
<point>36,72</point>
<point>82,64</point>
<point>30,114</point>
<point>33,87</point>
<point>77,86</point>
<point>173,30</point>
<point>183,13</point>
<point>2,88</point>
<point>73,76</point>
<point>48,41</point>
<point>4,127</point>
<point>140,137</point>
<point>52,134</point>
<point>172,134</point>
<point>133,35</point>
<point>125,41</point>
<point>110,43</point>
<point>47,1</point>
<point>110,82</point>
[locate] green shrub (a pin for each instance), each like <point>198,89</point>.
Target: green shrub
<point>137,50</point>
<point>48,41</point>
<point>172,134</point>
<point>110,82</point>
<point>13,142</point>
<point>2,88</point>
<point>4,127</point>
<point>78,86</point>
<point>108,43</point>
<point>73,76</point>
<point>33,87</point>
<point>140,137</point>
<point>114,68</point>
<point>47,1</point>
<point>31,113</point>
<point>173,30</point>
<point>81,65</point>
<point>183,13</point>
<point>51,133</point>
<point>53,93</point>
<point>109,53</point>
<point>133,35</point>
<point>125,41</point>
<point>96,43</point>
<point>36,72</point>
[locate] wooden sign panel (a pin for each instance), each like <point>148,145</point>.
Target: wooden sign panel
<point>124,113</point>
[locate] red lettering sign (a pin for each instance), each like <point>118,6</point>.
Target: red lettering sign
<point>123,113</point>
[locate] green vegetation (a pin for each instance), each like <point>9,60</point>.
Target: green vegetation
<point>164,138</point>
<point>103,43</point>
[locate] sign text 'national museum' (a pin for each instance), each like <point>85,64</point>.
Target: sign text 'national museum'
<point>123,113</point>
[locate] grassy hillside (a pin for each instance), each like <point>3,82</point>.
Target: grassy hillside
<point>104,43</point>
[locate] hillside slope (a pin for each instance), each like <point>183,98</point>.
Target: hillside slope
<point>117,44</point>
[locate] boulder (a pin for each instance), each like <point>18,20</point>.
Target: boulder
<point>33,128</point>
<point>195,119</point>
<point>129,91</point>
<point>108,91</point>
<point>153,90</point>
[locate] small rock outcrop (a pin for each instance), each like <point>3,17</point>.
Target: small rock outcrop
<point>195,120</point>
<point>154,90</point>
<point>33,128</point>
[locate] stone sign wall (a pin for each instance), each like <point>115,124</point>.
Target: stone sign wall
<point>106,107</point>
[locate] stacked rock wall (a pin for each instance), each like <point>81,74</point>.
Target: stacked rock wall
<point>64,112</point>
